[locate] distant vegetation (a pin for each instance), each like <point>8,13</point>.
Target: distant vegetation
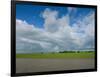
<point>75,51</point>
<point>61,54</point>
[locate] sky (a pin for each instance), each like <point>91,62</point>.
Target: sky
<point>52,28</point>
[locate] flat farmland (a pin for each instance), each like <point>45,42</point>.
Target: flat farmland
<point>54,62</point>
<point>57,55</point>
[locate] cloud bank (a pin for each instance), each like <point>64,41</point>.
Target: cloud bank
<point>57,34</point>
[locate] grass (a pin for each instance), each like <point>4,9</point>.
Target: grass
<point>57,55</point>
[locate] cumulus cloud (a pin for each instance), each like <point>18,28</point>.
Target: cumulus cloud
<point>71,9</point>
<point>57,35</point>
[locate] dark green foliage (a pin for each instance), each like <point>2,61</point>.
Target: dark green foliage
<point>75,51</point>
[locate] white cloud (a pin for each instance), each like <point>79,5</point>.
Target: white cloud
<point>85,29</point>
<point>57,34</point>
<point>50,19</point>
<point>71,9</point>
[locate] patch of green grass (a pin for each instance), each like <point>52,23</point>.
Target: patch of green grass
<point>56,55</point>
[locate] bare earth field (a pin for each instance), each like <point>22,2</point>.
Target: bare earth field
<point>24,65</point>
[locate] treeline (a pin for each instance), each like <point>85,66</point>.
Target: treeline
<point>75,51</point>
<point>67,52</point>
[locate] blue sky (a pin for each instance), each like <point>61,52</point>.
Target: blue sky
<point>53,28</point>
<point>31,13</point>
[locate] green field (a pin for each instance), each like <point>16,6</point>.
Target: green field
<point>57,55</point>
